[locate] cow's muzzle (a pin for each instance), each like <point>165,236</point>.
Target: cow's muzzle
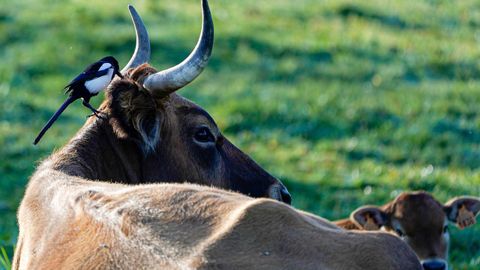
<point>434,264</point>
<point>280,193</point>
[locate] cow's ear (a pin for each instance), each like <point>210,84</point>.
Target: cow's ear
<point>148,126</point>
<point>369,218</point>
<point>134,113</point>
<point>462,210</point>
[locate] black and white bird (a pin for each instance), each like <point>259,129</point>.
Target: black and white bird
<point>89,83</point>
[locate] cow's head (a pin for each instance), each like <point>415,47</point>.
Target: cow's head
<point>421,221</point>
<point>158,136</point>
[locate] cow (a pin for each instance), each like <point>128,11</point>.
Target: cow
<point>95,225</point>
<point>420,220</point>
<point>115,197</point>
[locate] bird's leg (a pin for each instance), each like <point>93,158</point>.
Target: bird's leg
<point>95,112</point>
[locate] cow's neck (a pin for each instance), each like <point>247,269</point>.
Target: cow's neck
<point>96,153</point>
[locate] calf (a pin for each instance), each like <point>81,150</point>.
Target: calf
<point>420,220</point>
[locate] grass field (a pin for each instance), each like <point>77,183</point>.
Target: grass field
<point>348,102</point>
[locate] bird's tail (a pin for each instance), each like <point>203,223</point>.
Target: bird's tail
<point>54,118</point>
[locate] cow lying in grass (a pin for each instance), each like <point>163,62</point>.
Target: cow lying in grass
<point>94,225</point>
<point>81,209</point>
<point>420,220</point>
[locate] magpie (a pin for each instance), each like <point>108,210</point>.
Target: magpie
<point>89,83</point>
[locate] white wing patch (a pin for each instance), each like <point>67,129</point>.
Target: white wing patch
<point>105,66</point>
<point>98,84</point>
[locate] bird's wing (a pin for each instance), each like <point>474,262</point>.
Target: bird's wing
<point>89,73</point>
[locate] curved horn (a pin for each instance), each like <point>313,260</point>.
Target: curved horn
<point>167,81</point>
<point>142,47</point>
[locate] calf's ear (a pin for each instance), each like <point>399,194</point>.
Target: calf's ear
<point>369,218</point>
<point>462,210</point>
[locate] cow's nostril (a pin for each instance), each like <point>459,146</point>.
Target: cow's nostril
<point>434,265</point>
<point>286,197</point>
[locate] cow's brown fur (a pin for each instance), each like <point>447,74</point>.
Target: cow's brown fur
<point>149,140</point>
<point>93,225</point>
<point>74,217</point>
<point>418,218</point>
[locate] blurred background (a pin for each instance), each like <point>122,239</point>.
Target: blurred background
<point>348,102</point>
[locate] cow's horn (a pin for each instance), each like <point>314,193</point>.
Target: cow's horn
<point>167,81</point>
<point>142,47</point>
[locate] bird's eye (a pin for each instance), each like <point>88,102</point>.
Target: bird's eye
<point>204,135</point>
<point>445,229</point>
<point>399,232</point>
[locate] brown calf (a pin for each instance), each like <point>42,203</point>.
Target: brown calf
<point>420,220</point>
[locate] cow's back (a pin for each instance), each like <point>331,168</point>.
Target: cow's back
<point>181,226</point>
<point>268,235</point>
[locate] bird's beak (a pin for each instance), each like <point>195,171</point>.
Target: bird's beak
<point>119,74</point>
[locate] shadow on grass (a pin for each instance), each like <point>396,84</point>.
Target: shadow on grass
<point>332,200</point>
<point>312,129</point>
<point>346,11</point>
<point>321,64</point>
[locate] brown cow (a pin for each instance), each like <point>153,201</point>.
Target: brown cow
<point>419,220</point>
<point>72,223</point>
<point>79,211</point>
<point>153,135</point>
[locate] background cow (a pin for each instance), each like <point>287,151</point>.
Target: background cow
<point>419,220</point>
<point>72,215</point>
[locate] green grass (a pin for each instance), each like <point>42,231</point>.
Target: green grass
<point>5,262</point>
<point>348,102</point>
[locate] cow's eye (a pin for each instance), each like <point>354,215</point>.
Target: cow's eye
<point>399,232</point>
<point>445,229</point>
<point>203,135</point>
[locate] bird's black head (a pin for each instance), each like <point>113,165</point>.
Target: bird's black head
<point>114,63</point>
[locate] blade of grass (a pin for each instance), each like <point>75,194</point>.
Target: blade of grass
<point>4,260</point>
